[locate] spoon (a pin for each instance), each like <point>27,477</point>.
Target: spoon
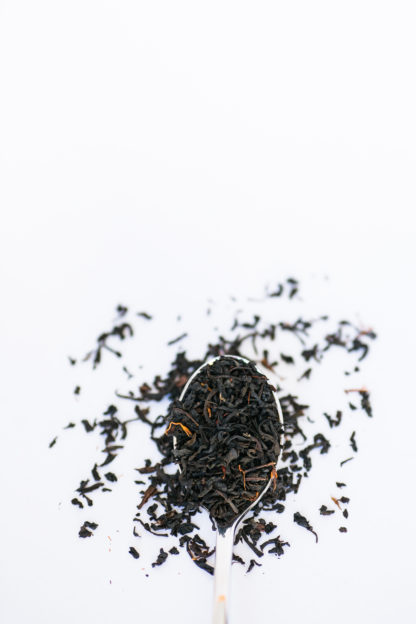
<point>225,535</point>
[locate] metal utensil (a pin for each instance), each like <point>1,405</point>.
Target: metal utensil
<point>225,536</point>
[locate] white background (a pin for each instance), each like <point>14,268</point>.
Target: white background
<point>163,152</point>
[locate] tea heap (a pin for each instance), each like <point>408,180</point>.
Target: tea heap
<point>227,432</point>
<point>226,427</point>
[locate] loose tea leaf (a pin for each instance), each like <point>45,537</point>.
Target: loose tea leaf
<point>324,511</point>
<point>334,422</point>
<point>253,563</point>
<point>175,340</point>
<point>306,374</point>
<point>134,552</point>
<point>110,476</point>
<point>85,529</point>
<point>145,315</point>
<point>287,358</point>
<point>162,556</point>
<point>278,546</point>
<point>303,522</point>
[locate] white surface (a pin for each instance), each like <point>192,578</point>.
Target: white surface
<point>120,124</point>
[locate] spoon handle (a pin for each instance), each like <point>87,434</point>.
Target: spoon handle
<point>223,557</point>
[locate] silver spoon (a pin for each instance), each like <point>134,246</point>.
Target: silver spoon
<point>225,535</point>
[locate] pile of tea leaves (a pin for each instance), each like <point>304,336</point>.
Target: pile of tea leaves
<point>281,346</point>
<point>228,448</point>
